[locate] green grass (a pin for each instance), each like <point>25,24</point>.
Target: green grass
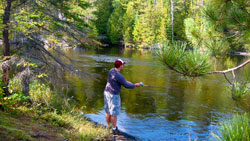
<point>70,125</point>
<point>241,90</point>
<point>237,129</point>
<point>74,123</point>
<point>9,130</point>
<point>46,111</point>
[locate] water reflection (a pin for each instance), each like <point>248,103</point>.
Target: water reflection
<point>185,108</point>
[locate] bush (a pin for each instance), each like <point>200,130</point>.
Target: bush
<point>16,96</point>
<point>42,93</point>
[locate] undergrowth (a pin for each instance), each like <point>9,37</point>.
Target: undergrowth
<point>44,105</point>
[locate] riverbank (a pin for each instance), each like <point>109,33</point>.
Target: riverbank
<point>36,122</point>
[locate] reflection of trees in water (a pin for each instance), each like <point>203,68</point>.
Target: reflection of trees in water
<point>175,101</point>
<point>200,100</point>
<point>136,102</point>
<point>205,102</point>
<point>96,98</point>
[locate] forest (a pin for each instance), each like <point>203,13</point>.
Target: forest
<point>186,36</point>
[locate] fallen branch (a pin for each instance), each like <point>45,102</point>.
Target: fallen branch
<point>232,69</point>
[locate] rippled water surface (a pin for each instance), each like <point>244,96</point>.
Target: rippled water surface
<point>177,108</point>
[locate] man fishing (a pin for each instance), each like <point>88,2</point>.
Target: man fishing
<point>112,100</point>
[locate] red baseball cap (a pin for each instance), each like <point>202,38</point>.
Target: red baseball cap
<point>119,62</point>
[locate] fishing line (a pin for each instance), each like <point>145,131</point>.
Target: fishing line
<point>141,84</point>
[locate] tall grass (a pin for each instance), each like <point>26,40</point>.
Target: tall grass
<point>57,109</point>
<point>237,129</point>
<point>42,93</point>
<point>80,127</point>
<point>240,90</point>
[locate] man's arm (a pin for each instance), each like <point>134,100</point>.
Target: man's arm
<point>124,82</point>
<point>136,84</point>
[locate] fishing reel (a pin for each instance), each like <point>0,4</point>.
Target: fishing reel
<point>141,84</point>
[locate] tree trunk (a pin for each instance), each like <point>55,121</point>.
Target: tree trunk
<point>185,8</point>
<point>172,13</point>
<point>6,45</point>
<point>191,3</point>
<point>6,19</point>
<point>26,81</point>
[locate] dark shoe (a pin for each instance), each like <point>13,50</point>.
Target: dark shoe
<point>116,131</point>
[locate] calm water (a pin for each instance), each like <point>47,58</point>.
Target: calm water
<point>185,109</point>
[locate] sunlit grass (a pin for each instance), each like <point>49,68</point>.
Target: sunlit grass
<point>48,106</point>
<point>237,129</point>
<point>240,90</point>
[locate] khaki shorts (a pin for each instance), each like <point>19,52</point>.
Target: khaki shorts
<point>112,103</point>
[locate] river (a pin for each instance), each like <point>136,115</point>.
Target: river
<point>181,108</point>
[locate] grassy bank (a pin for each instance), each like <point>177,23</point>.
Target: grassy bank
<point>236,129</point>
<point>29,123</point>
<point>44,115</point>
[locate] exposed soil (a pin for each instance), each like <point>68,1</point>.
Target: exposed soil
<point>122,137</point>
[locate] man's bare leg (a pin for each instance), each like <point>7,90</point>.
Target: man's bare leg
<point>108,119</point>
<point>114,121</point>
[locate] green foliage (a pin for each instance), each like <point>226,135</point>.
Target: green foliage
<point>192,32</point>
<point>8,130</point>
<point>231,21</point>
<point>55,119</point>
<point>103,12</point>
<point>114,26</point>
<point>180,13</point>
<point>207,38</point>
<point>42,93</point>
<point>71,125</point>
<point>240,90</point>
<point>144,29</point>
<point>128,23</point>
<point>236,129</point>
<point>140,23</point>
<point>177,57</point>
<point>16,97</point>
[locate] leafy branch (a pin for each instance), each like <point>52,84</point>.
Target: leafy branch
<point>193,63</point>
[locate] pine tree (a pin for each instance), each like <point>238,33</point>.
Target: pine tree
<point>38,26</point>
<point>114,26</point>
<point>128,23</point>
<point>160,25</point>
<point>103,12</point>
<point>144,31</point>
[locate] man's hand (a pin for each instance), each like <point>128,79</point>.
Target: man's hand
<point>137,85</point>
